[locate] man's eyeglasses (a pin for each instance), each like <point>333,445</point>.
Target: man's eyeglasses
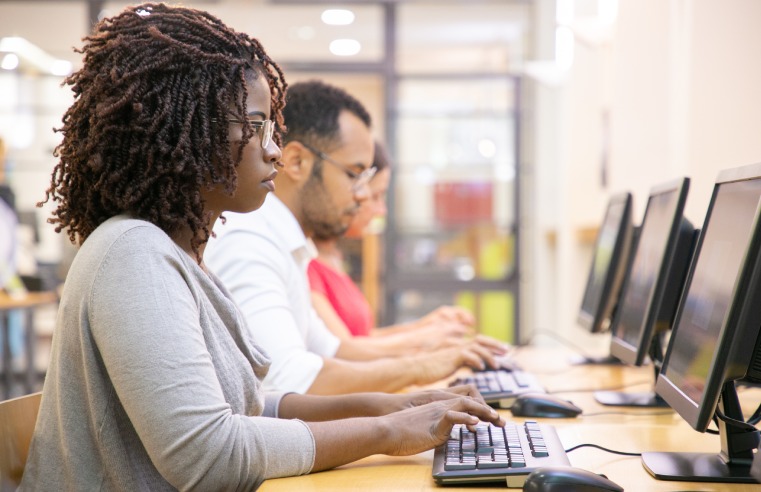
<point>265,128</point>
<point>360,179</point>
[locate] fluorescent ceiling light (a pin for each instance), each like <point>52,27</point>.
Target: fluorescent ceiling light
<point>31,55</point>
<point>337,17</point>
<point>10,61</point>
<point>345,47</point>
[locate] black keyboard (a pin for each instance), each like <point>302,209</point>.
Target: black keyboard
<point>501,387</point>
<point>496,454</point>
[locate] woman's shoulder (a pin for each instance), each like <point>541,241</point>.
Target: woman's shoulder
<point>127,232</point>
<point>126,239</point>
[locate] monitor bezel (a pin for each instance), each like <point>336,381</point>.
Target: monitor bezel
<point>733,352</point>
<point>619,348</point>
<point>611,288</point>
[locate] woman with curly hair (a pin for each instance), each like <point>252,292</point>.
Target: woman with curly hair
<point>153,382</point>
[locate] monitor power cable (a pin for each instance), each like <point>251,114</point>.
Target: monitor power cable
<point>602,448</point>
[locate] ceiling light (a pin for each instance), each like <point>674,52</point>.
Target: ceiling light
<point>10,61</point>
<point>487,148</point>
<point>61,67</point>
<point>31,55</point>
<point>345,47</point>
<point>337,17</point>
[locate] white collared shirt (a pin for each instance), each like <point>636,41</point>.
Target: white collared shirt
<point>261,258</point>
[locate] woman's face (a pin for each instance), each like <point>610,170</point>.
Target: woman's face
<point>256,169</point>
<point>374,207</point>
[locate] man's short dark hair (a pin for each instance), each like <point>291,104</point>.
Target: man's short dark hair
<point>312,109</point>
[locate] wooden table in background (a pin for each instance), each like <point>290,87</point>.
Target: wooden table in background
<point>28,303</point>
<point>621,429</point>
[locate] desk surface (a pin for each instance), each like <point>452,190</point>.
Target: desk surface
<point>621,429</point>
<point>30,299</point>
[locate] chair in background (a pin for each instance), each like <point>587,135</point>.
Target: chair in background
<point>17,420</point>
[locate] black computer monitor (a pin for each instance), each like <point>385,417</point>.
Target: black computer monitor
<point>608,269</point>
<point>654,283</point>
<point>716,336</point>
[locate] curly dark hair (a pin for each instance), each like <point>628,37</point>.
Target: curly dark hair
<point>311,114</point>
<point>148,127</point>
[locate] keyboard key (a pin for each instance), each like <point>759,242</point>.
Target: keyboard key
<point>460,466</point>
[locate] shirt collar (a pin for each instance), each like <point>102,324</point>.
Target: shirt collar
<point>289,229</point>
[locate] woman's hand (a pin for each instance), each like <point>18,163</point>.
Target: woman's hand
<point>390,403</point>
<point>424,427</point>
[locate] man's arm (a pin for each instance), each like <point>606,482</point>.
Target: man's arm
<point>339,376</point>
<point>264,282</point>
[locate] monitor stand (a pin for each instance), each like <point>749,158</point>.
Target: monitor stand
<point>583,360</point>
<point>647,399</point>
<point>733,464</point>
<point>695,467</point>
<point>621,399</point>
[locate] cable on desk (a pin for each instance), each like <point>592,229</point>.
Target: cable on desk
<point>604,449</point>
<point>589,390</point>
<point>630,414</point>
<point>555,336</point>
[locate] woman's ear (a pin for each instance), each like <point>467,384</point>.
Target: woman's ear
<point>297,161</point>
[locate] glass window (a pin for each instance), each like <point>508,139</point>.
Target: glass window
<point>462,37</point>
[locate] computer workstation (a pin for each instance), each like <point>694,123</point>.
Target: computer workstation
<point>611,260</point>
<point>716,339</point>
<point>652,290</point>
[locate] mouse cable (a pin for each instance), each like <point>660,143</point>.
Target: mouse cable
<point>558,338</point>
<point>629,414</point>
<point>589,390</point>
<point>604,449</point>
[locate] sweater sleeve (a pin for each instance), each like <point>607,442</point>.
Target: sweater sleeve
<point>146,324</point>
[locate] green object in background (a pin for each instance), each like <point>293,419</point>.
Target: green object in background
<point>494,313</point>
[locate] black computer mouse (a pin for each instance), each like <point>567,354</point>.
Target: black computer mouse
<point>542,405</point>
<point>568,479</point>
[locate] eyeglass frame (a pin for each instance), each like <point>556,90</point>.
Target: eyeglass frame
<point>259,125</point>
<point>359,179</point>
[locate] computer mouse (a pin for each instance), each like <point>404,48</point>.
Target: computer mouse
<point>568,479</point>
<point>542,405</point>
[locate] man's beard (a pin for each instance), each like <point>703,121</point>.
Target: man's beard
<point>320,220</point>
<point>324,231</point>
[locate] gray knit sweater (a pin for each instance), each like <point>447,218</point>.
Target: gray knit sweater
<point>153,383</point>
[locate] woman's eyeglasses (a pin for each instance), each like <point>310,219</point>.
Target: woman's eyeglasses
<point>359,179</point>
<point>265,128</point>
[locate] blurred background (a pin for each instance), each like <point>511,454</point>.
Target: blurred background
<point>510,123</point>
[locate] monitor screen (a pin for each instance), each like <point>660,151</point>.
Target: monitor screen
<point>609,262</point>
<point>649,297</point>
<point>716,336</point>
<point>703,317</point>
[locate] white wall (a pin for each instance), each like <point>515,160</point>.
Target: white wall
<point>682,83</point>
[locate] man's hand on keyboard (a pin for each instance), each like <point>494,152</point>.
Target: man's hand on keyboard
<point>417,429</point>
<point>451,314</point>
<point>437,365</point>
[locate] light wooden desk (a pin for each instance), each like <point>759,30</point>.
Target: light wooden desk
<point>28,303</point>
<point>629,430</point>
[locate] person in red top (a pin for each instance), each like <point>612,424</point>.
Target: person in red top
<point>344,308</point>
<point>345,299</point>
